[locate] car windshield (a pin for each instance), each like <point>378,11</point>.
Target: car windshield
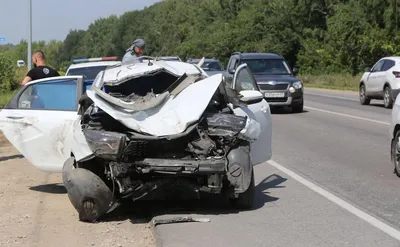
<point>267,66</point>
<point>89,73</point>
<point>211,66</point>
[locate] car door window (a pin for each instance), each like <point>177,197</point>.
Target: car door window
<point>244,80</point>
<point>233,64</point>
<point>57,94</point>
<point>378,66</point>
<point>388,65</point>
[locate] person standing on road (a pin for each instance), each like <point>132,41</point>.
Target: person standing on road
<point>40,70</point>
<point>135,51</point>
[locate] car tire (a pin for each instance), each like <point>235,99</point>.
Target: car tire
<point>387,97</point>
<point>245,200</point>
<point>298,108</point>
<point>364,100</point>
<point>88,194</point>
<point>395,152</point>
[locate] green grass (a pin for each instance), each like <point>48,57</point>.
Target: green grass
<point>338,81</point>
<point>5,97</point>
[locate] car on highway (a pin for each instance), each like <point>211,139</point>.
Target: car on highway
<point>137,131</point>
<point>90,67</point>
<point>20,63</point>
<point>211,66</point>
<point>381,82</point>
<point>394,134</point>
<point>277,82</point>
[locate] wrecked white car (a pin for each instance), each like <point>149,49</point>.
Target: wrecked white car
<point>143,127</point>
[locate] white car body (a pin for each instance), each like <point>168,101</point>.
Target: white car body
<point>90,64</point>
<point>49,136</point>
<point>382,82</point>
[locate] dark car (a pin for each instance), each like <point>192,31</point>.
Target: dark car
<point>211,66</point>
<point>276,80</point>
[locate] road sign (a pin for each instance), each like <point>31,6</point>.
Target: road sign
<point>2,39</point>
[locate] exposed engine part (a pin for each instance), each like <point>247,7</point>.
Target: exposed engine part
<point>220,124</point>
<point>134,97</point>
<point>204,146</point>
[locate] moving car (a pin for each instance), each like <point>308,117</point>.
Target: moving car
<point>212,66</point>
<point>137,132</point>
<point>276,80</point>
<point>382,82</point>
<point>394,134</point>
<point>20,63</point>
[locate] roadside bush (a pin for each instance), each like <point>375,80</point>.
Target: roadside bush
<point>332,81</point>
<point>7,74</point>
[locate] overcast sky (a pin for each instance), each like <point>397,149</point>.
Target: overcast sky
<point>52,19</point>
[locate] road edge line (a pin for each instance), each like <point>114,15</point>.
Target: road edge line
<point>340,202</point>
<point>346,115</point>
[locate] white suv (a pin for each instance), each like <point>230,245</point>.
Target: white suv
<point>382,82</point>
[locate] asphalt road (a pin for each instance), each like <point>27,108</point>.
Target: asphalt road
<point>347,194</point>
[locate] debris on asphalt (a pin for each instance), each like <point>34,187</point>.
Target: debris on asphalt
<point>179,220</point>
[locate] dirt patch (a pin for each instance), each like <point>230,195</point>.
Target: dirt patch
<point>3,141</point>
<point>36,211</point>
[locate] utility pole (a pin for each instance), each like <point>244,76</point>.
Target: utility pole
<point>29,56</point>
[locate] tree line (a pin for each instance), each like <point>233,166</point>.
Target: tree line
<point>319,36</point>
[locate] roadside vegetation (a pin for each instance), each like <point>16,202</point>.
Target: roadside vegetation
<point>332,41</point>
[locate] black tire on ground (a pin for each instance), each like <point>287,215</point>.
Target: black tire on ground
<point>298,108</point>
<point>89,195</point>
<point>363,96</point>
<point>387,97</point>
<point>246,199</point>
<point>395,152</point>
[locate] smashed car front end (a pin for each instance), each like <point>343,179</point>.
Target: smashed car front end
<point>164,128</point>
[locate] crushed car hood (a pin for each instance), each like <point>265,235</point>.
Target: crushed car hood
<point>174,114</point>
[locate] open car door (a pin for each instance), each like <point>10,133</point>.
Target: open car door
<point>261,149</point>
<point>38,120</point>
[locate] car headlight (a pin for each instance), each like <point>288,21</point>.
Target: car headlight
<point>105,144</point>
<point>297,84</point>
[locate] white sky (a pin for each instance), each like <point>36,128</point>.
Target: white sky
<point>52,19</point>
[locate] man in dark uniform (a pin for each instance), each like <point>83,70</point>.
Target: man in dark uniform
<point>40,70</point>
<point>135,51</point>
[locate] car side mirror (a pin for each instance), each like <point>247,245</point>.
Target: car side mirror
<point>296,71</point>
<point>250,96</point>
<point>367,69</point>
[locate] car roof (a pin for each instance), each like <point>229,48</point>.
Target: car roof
<point>92,64</point>
<point>392,57</point>
<point>271,55</point>
<point>205,60</point>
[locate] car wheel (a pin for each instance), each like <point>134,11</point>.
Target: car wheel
<point>245,200</point>
<point>387,97</point>
<point>298,108</point>
<point>363,96</point>
<point>89,195</point>
<point>395,152</point>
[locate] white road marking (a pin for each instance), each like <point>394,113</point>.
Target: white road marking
<point>346,115</point>
<point>330,96</point>
<point>340,202</point>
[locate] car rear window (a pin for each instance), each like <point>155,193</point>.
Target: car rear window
<point>89,73</point>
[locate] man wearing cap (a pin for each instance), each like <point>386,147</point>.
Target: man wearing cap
<point>135,51</point>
